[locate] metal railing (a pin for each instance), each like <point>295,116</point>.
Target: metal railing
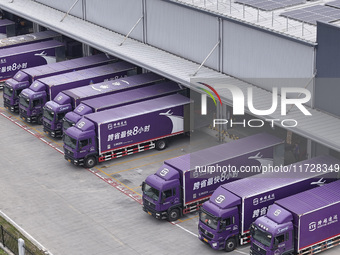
<point>16,245</point>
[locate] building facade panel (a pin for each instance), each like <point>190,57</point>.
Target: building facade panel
<point>182,31</point>
<point>65,5</point>
<point>327,87</point>
<point>119,16</point>
<point>265,59</point>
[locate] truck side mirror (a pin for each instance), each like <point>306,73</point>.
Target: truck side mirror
<point>143,185</point>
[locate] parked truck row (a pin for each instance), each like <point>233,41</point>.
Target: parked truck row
<point>304,223</point>
<point>33,99</point>
<point>67,100</point>
<point>226,218</point>
<point>25,77</point>
<point>104,109</point>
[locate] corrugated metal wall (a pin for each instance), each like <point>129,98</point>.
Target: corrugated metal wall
<point>262,58</point>
<point>65,5</point>
<point>327,89</point>
<point>265,59</point>
<point>118,15</point>
<point>182,31</point>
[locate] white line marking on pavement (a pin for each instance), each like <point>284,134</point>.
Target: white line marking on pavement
<point>185,230</point>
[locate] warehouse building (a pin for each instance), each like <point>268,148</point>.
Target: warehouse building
<point>261,47</point>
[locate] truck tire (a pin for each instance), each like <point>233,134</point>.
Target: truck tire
<point>39,120</point>
<point>173,215</point>
<point>230,245</point>
<point>90,161</point>
<point>161,144</point>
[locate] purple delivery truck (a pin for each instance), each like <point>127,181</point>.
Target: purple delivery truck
<point>28,38</point>
<point>129,129</point>
<point>67,100</point>
<point>25,77</point>
<point>32,99</point>
<point>7,28</point>
<point>182,184</point>
<point>226,218</point>
<point>12,59</point>
<point>305,223</point>
<point>120,99</point>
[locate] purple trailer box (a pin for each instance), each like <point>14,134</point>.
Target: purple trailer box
<point>64,102</point>
<point>119,99</point>
<point>77,95</point>
<point>198,182</point>
<point>140,122</point>
<point>28,38</point>
<point>23,78</point>
<point>128,97</point>
<point>315,213</point>
<point>57,83</point>
<point>14,58</point>
<point>34,98</point>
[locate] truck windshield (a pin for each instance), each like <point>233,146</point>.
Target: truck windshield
<point>67,124</point>
<point>48,114</point>
<point>208,220</point>
<point>151,192</point>
<point>69,141</point>
<point>261,236</point>
<point>24,101</point>
<point>8,91</point>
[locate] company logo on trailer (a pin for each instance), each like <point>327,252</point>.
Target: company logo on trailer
<point>220,199</point>
<point>312,226</point>
<point>164,172</point>
<point>239,105</point>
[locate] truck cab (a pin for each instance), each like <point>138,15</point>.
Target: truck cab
<point>161,194</point>
<point>272,234</point>
<point>12,90</point>
<point>80,146</point>
<point>218,220</point>
<point>71,118</point>
<point>54,113</point>
<point>31,102</point>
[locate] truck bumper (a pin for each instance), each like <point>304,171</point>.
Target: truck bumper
<point>157,215</point>
<point>12,108</point>
<point>214,244</point>
<point>68,155</point>
<point>52,133</point>
<point>255,252</point>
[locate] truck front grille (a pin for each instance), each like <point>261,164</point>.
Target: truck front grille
<point>149,204</point>
<point>68,153</point>
<point>23,113</point>
<point>257,250</point>
<point>47,125</point>
<point>207,234</point>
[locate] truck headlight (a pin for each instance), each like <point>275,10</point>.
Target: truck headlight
<point>214,244</point>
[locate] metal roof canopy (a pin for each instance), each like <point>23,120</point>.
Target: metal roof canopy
<point>320,127</point>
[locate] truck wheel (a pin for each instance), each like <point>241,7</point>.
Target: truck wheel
<point>161,144</point>
<point>173,215</point>
<point>40,121</point>
<point>230,245</point>
<point>90,161</point>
